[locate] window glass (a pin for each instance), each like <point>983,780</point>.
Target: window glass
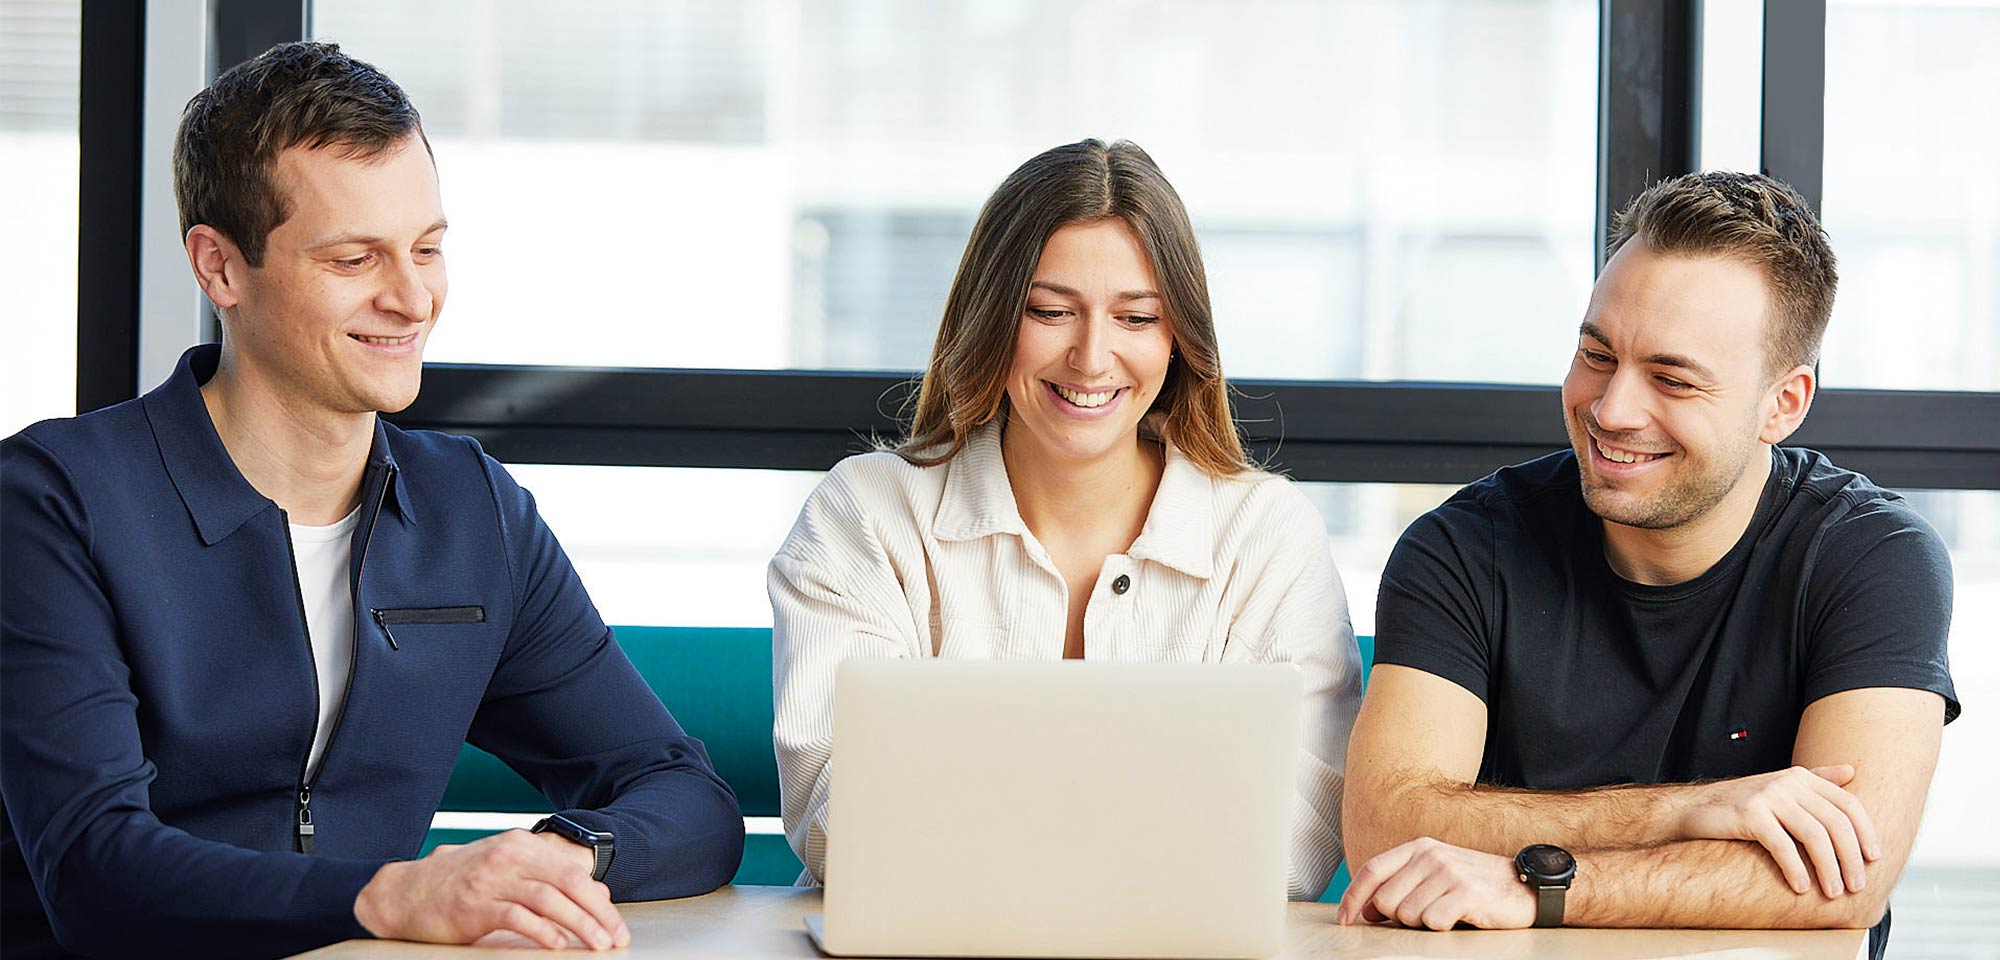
<point>1912,203</point>
<point>39,55</point>
<point>687,546</point>
<point>786,184</point>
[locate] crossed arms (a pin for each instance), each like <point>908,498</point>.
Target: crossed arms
<point>1818,845</point>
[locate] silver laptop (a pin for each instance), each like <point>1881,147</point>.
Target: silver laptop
<point>1059,809</point>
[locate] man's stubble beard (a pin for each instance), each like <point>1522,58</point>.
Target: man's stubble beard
<point>1696,487</point>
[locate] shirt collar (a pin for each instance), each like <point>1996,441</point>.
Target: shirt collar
<point>216,495</point>
<point>978,500</point>
<point>1180,528</point>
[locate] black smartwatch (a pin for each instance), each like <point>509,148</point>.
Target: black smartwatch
<point>599,841</point>
<point>1547,869</point>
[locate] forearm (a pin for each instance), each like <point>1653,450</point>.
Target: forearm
<point>679,834</point>
<point>216,899</point>
<point>1316,847</point>
<point>803,787</point>
<point>1502,820</point>
<point>816,624</point>
<point>1712,883</point>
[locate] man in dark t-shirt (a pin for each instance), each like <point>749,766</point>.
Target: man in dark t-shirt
<point>1676,676</point>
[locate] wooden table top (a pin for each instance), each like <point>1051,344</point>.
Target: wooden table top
<point>766,923</point>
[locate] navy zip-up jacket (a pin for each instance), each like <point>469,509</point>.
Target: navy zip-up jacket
<point>158,700</point>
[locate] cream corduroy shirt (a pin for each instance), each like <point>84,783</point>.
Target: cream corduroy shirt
<point>888,559</point>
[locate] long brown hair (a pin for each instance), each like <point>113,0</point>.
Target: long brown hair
<point>965,386</point>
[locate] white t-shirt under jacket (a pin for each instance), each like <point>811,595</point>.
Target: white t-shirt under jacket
<point>888,559</point>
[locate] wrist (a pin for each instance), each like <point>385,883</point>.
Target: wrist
<point>1546,871</point>
<point>577,853</point>
<point>1676,808</point>
<point>372,906</point>
<point>1582,908</point>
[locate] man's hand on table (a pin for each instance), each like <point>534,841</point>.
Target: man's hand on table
<point>535,885</point>
<point>1430,883</point>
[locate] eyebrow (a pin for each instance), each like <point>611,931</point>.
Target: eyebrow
<point>1596,333</point>
<point>367,240</point>
<point>1123,295</point>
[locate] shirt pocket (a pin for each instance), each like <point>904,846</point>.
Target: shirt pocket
<point>388,618</point>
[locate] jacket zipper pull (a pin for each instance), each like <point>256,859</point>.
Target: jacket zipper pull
<point>380,621</point>
<point>305,820</point>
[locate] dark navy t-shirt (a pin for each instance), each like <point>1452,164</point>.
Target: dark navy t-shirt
<point>1591,680</point>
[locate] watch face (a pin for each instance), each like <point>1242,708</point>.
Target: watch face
<point>1543,860</point>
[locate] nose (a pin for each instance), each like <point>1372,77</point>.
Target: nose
<point>1090,352</point>
<point>406,292</point>
<point>1623,408</point>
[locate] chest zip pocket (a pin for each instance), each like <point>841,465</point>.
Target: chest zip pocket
<point>385,618</point>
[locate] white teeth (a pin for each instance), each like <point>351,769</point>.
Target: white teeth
<point>389,340</point>
<point>1621,456</point>
<point>1085,399</point>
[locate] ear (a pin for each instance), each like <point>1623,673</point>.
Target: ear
<point>218,265</point>
<point>1787,404</point>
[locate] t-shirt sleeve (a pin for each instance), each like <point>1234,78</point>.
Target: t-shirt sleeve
<point>1429,613</point>
<point>1877,606</point>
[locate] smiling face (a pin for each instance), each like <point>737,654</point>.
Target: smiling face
<point>351,283</point>
<point>1667,398</point>
<point>1093,346</point>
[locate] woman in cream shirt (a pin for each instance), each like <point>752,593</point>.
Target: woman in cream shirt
<point>1071,486</point>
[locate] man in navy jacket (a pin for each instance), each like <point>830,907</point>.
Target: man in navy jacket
<point>245,625</point>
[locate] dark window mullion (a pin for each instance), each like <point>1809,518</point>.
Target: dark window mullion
<point>1648,104</point>
<point>1337,431</point>
<point>110,134</point>
<point>1794,95</point>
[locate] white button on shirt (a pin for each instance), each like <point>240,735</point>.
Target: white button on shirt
<point>888,559</point>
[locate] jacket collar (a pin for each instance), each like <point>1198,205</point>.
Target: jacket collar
<point>216,495</point>
<point>1180,530</point>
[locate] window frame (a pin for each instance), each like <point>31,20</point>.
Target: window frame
<point>1322,430</point>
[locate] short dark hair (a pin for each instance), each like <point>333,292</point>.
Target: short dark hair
<point>1757,220</point>
<point>295,94</point>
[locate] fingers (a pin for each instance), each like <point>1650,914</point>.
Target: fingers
<point>1391,895</point>
<point>1811,834</point>
<point>1770,834</point>
<point>565,912</point>
<point>539,929</point>
<point>1379,869</point>
<point>1430,884</point>
<point>1837,774</point>
<point>594,899</point>
<point>562,890</point>
<point>1445,912</point>
<point>1857,814</point>
<point>530,886</point>
<point>1846,843</point>
<point>1411,907</point>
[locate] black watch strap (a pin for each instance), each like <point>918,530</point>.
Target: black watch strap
<point>605,851</point>
<point>1549,905</point>
<point>600,843</point>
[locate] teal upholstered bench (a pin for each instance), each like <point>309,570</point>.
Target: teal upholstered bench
<point>717,682</point>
